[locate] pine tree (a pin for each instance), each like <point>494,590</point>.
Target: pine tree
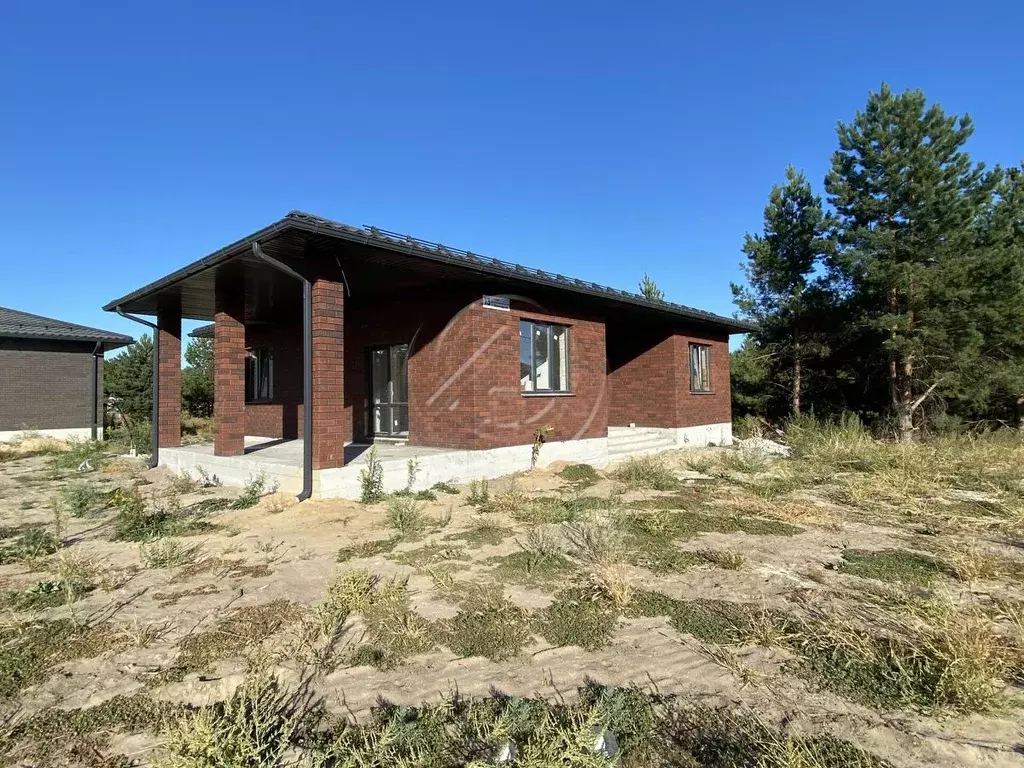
<point>906,199</point>
<point>993,383</point>
<point>779,268</point>
<point>649,289</point>
<point>129,379</point>
<point>197,378</point>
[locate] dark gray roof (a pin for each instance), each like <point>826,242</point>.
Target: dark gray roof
<point>23,325</point>
<point>424,249</point>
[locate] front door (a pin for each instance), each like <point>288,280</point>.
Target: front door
<point>389,387</point>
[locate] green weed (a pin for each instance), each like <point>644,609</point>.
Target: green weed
<point>576,617</point>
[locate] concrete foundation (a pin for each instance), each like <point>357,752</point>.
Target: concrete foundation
<point>72,433</point>
<point>280,461</point>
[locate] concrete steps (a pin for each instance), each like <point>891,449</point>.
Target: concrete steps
<point>638,441</point>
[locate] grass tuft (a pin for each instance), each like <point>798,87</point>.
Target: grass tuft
<point>167,553</point>
<point>893,565</point>
<point>580,476</point>
<point>367,549</point>
<point>494,628</point>
<point>577,617</point>
<point>648,472</point>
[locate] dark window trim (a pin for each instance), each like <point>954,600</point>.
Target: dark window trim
<point>566,389</point>
<point>709,389</point>
<point>270,379</point>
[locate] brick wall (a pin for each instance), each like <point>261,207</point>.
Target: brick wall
<point>169,391</point>
<point>468,393</point>
<point>463,373</point>
<point>229,366</point>
<point>45,385</point>
<point>694,409</point>
<point>282,416</point>
<point>649,378</point>
<point>331,426</point>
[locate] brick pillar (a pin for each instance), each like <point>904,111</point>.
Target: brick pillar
<point>229,365</point>
<point>329,431</point>
<point>168,324</point>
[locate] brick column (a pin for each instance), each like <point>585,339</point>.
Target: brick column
<point>229,365</point>
<point>329,431</point>
<point>168,323</point>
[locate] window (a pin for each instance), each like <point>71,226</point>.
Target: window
<point>543,357</point>
<point>259,375</point>
<point>700,368</point>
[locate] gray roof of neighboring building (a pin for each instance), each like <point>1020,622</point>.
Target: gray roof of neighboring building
<point>15,324</point>
<point>435,252</point>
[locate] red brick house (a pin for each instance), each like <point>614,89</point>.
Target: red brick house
<point>437,354</point>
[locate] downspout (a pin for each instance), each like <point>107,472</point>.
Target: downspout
<point>155,438</point>
<point>307,369</point>
<point>97,353</point>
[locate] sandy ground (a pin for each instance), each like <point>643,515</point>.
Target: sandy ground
<point>298,542</point>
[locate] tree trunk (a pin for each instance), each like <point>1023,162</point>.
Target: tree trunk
<point>900,378</point>
<point>1020,412</point>
<point>797,383</point>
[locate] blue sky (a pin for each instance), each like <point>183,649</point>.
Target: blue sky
<point>594,139</point>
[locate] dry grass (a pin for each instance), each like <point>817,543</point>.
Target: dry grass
<point>646,472</point>
<point>971,563</point>
<point>936,657</point>
<point>612,583</point>
<point>731,561</point>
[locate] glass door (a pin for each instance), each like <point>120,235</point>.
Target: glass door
<point>389,388</point>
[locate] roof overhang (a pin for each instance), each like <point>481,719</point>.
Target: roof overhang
<point>290,234</point>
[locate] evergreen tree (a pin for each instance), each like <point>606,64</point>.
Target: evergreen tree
<point>197,378</point>
<point>779,268</point>
<point>649,289</point>
<point>750,380</point>
<point>993,384</point>
<point>128,378</point>
<point>907,198</point>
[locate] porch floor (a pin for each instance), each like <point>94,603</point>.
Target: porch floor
<point>273,450</point>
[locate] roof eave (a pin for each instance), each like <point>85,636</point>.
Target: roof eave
<point>377,238</point>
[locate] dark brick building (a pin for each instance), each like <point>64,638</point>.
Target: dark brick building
<point>51,375</point>
<point>417,342</point>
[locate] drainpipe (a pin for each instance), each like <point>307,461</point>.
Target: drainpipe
<point>97,354</point>
<point>155,438</point>
<point>307,368</point>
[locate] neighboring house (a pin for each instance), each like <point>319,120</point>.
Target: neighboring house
<point>51,376</point>
<point>429,347</point>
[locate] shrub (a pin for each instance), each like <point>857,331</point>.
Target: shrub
<point>251,493</point>
<point>183,482</point>
<point>445,487</point>
<point>371,478</point>
<point>81,498</point>
<point>479,494</point>
<point>406,516</point>
<point>259,725</point>
<point>33,543</point>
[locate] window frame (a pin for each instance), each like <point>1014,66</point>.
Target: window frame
<point>708,387</point>
<point>252,362</point>
<point>565,387</point>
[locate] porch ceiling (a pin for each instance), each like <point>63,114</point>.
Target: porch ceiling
<point>378,261</point>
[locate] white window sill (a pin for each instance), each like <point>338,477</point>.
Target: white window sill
<point>548,394</point>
